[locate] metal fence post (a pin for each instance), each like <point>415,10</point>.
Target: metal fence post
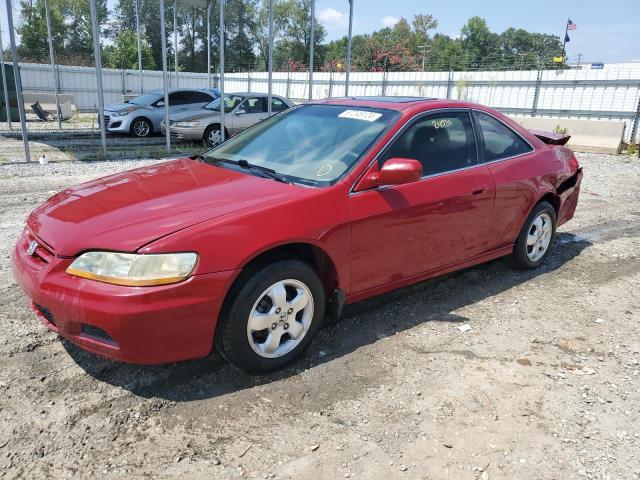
<point>18,81</point>
<point>330,83</point>
<point>635,123</point>
<point>384,78</point>
<point>248,81</point>
<point>288,83</point>
<point>536,94</point>
<point>449,83</point>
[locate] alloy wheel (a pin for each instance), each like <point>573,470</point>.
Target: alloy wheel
<point>539,236</point>
<point>280,318</point>
<point>140,128</point>
<point>214,138</point>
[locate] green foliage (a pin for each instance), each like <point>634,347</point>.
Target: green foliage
<point>476,48</point>
<point>408,45</point>
<point>560,130</point>
<point>124,52</point>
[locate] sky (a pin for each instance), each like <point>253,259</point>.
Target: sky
<point>607,31</point>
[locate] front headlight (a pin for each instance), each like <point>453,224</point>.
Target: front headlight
<point>124,111</point>
<point>186,124</point>
<point>132,269</point>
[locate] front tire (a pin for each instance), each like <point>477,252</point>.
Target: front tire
<point>272,315</point>
<point>141,128</point>
<point>536,237</point>
<point>212,136</point>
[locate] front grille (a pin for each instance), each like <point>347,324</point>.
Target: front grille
<point>46,314</point>
<point>107,119</point>
<point>42,254</point>
<point>96,333</point>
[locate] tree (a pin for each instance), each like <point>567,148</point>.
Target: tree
<point>481,46</point>
<point>124,52</point>
<point>33,30</point>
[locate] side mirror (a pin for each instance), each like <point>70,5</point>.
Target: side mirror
<point>160,104</point>
<point>240,111</point>
<point>397,171</point>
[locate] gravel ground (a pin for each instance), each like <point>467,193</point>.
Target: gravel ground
<point>79,140</point>
<point>545,385</point>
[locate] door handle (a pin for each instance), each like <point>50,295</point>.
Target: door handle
<point>479,191</point>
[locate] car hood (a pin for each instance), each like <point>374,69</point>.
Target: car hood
<point>193,115</point>
<point>121,106</point>
<point>124,212</point>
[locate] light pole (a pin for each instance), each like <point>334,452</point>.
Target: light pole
<point>165,82</point>
<point>221,70</point>
<point>423,51</point>
<point>139,45</point>
<point>175,40</point>
<point>270,55</point>
<point>312,40</point>
<point>52,57</point>
<point>18,81</point>
<point>4,82</point>
<point>346,80</point>
<point>209,44</point>
<point>98,62</point>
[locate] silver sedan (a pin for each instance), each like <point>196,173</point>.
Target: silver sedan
<point>141,116</point>
<point>242,111</point>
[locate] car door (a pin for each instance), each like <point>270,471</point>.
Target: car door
<point>404,230</point>
<point>249,112</point>
<point>510,159</point>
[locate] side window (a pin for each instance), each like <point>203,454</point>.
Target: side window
<point>441,142</point>
<point>499,140</point>
<point>278,105</point>
<point>199,97</point>
<point>178,98</point>
<point>254,105</point>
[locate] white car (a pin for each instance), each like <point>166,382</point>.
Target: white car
<point>141,116</point>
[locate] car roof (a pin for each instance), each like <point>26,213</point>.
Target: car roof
<point>160,91</point>
<point>397,103</point>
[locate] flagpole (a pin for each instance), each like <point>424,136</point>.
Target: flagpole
<point>564,42</point>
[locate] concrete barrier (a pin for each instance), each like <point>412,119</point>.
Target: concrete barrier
<point>48,103</point>
<point>600,136</point>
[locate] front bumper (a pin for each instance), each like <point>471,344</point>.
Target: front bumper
<point>116,124</point>
<point>185,134</point>
<point>142,325</point>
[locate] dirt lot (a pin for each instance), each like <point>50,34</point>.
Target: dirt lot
<point>546,384</point>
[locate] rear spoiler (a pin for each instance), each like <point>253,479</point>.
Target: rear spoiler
<point>551,138</point>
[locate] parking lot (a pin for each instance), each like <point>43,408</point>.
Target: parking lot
<point>546,384</point>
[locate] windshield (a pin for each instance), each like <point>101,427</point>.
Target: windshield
<point>313,143</point>
<point>146,99</point>
<point>230,102</point>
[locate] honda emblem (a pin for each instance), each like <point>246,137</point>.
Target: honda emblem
<point>32,247</point>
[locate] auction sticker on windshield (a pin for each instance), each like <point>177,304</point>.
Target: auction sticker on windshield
<point>360,115</point>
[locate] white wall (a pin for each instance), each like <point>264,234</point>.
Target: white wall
<point>613,92</point>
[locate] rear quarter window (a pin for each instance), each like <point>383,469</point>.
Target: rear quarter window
<point>498,140</point>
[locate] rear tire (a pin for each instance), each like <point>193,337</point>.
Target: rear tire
<point>536,237</point>
<point>271,316</point>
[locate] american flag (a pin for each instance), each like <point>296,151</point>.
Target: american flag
<point>571,25</point>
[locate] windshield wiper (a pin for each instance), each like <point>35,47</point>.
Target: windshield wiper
<point>265,171</point>
<point>269,172</point>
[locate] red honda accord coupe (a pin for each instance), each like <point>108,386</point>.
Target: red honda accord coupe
<point>249,247</point>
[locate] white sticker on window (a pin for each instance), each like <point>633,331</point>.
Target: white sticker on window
<point>360,115</point>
